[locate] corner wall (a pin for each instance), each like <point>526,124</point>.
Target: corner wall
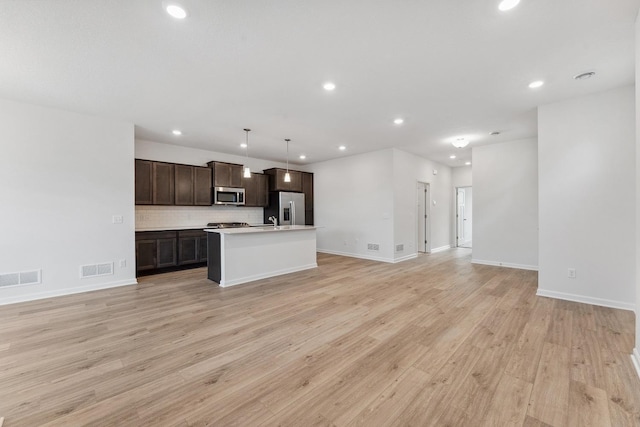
<point>63,176</point>
<point>408,170</point>
<point>505,204</point>
<point>636,351</point>
<point>353,198</point>
<point>587,199</point>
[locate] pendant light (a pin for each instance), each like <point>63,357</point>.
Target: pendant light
<point>247,170</point>
<point>287,176</point>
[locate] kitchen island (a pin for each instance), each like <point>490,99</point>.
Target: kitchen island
<point>241,255</point>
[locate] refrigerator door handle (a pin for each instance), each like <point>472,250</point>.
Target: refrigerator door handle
<point>292,204</point>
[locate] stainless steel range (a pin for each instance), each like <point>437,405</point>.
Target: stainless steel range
<point>227,225</point>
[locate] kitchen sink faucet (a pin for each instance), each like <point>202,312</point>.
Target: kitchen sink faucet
<point>274,220</point>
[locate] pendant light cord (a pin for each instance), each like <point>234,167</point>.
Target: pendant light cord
<point>287,154</point>
<point>246,149</point>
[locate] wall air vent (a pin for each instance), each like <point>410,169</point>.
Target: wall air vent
<point>400,247</point>
<point>373,247</point>
<point>93,270</point>
<point>20,278</point>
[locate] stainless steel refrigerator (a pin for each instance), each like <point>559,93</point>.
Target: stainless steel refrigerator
<point>287,207</point>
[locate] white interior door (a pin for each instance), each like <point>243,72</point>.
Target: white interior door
<point>464,217</point>
<point>423,200</point>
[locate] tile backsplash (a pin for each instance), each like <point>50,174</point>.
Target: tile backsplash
<point>196,216</point>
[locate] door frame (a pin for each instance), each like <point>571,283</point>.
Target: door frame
<point>423,212</point>
<point>456,210</point>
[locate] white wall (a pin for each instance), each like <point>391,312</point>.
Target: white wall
<point>353,199</point>
<point>505,204</point>
<point>371,198</point>
<point>62,177</point>
<point>150,150</point>
<point>636,350</point>
<point>462,176</point>
<point>408,170</point>
<point>587,198</point>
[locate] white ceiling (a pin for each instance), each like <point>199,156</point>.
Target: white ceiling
<point>448,67</point>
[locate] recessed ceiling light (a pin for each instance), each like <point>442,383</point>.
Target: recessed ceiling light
<point>467,163</point>
<point>329,86</point>
<point>508,4</point>
<point>342,148</point>
<point>398,121</point>
<point>302,156</point>
<point>453,156</point>
<point>585,76</point>
<point>176,132</point>
<point>243,145</point>
<point>176,11</point>
<point>536,84</point>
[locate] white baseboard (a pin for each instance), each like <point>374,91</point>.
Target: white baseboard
<point>352,255</point>
<point>635,358</point>
<point>440,249</point>
<point>505,264</point>
<point>66,291</point>
<point>255,277</point>
<point>405,258</point>
<point>586,300</point>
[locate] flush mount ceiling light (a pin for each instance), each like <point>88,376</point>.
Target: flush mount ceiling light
<point>398,121</point>
<point>247,170</point>
<point>460,143</point>
<point>329,86</point>
<point>176,11</point>
<point>287,176</point>
<point>585,76</point>
<point>176,132</point>
<point>302,157</point>
<point>243,145</point>
<point>342,148</point>
<point>453,156</point>
<point>508,4</point>
<point>536,84</point>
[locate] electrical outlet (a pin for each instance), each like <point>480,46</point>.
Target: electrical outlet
<point>571,274</point>
<point>123,263</point>
<point>117,219</point>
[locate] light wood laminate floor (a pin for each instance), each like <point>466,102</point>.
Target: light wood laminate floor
<point>431,341</point>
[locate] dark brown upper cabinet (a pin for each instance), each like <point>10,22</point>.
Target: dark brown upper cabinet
<point>184,178</point>
<point>277,183</point>
<point>163,183</point>
<point>226,174</point>
<point>144,182</point>
<point>256,190</point>
<point>202,186</point>
<point>159,183</point>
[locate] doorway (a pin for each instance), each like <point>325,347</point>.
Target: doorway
<point>464,217</point>
<point>423,203</point>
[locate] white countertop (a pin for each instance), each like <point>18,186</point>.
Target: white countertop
<point>189,227</point>
<point>265,229</point>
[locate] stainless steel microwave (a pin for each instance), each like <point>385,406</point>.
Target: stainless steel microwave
<point>228,196</point>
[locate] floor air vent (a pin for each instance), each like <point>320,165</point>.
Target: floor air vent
<point>94,270</point>
<point>20,278</point>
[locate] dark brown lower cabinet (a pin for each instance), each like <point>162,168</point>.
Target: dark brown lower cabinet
<point>156,250</point>
<point>146,253</point>
<point>190,246</point>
